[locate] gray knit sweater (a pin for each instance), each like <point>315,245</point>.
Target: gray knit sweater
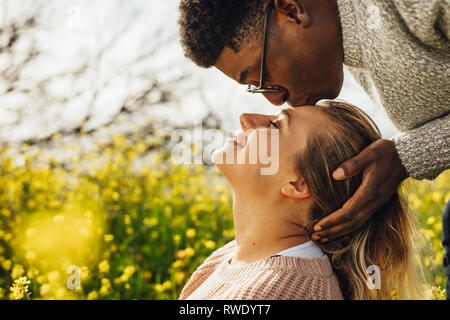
<point>399,51</point>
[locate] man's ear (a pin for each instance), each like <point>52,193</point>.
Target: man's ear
<point>294,10</point>
<point>296,189</point>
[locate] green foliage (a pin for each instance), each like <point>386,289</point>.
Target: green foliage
<point>427,199</point>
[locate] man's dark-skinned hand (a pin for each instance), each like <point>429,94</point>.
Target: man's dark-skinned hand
<point>382,174</point>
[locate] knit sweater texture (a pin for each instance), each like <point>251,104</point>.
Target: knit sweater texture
<point>276,278</point>
<point>399,52</point>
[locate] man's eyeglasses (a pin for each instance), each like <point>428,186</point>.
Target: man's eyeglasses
<point>261,88</point>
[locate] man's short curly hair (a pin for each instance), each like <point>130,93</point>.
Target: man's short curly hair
<point>208,26</point>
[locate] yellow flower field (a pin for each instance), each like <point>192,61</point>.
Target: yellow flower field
<point>119,223</point>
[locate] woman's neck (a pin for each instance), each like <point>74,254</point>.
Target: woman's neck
<point>262,229</point>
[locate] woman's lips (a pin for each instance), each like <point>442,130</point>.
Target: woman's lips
<point>238,139</point>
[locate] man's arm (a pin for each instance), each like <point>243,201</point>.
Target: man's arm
<point>428,20</point>
<point>425,151</point>
<point>422,153</point>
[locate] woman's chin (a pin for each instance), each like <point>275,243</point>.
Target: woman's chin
<point>218,156</point>
<point>225,155</point>
<point>227,168</point>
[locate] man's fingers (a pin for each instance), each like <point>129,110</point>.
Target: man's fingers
<point>335,232</point>
<point>348,211</point>
<point>353,166</point>
<point>341,230</point>
<point>338,217</point>
<point>362,205</point>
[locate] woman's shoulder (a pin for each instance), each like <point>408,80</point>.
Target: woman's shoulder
<point>218,255</point>
<point>313,266</point>
<point>292,278</point>
<point>206,269</point>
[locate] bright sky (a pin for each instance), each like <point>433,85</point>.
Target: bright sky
<point>72,32</point>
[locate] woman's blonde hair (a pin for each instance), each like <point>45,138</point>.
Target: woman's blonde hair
<point>387,240</point>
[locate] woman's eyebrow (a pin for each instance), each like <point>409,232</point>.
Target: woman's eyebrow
<point>286,112</point>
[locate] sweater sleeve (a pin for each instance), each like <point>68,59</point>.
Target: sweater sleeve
<point>206,269</point>
<point>425,151</point>
<point>428,20</point>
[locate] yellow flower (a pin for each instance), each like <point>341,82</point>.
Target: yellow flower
<point>155,235</point>
<point>127,273</point>
<point>115,196</point>
<point>106,285</point>
<point>158,288</point>
<point>17,271</point>
<point>431,220</point>
<point>177,238</point>
<point>40,279</point>
<point>177,264</point>
<point>45,289</point>
<point>6,264</point>
<point>210,244</point>
<point>93,295</point>
<point>189,252</point>
<point>179,277</point>
<point>437,293</point>
<point>32,272</point>
<point>6,212</point>
<point>150,221</point>
<point>395,295</point>
<point>190,233</point>
<point>60,293</point>
<point>181,254</point>
<point>84,273</point>
<point>19,289</point>
<point>53,276</point>
<point>103,266</point>
<point>166,285</point>
<point>108,237</point>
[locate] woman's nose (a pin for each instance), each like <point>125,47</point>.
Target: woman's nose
<point>253,120</point>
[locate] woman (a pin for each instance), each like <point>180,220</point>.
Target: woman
<point>273,256</point>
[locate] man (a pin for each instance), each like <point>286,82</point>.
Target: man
<point>398,50</point>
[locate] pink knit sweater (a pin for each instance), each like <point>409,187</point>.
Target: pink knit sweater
<point>277,278</point>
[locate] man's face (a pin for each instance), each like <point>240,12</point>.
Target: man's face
<point>306,63</point>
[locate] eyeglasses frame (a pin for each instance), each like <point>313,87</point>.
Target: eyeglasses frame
<point>262,79</point>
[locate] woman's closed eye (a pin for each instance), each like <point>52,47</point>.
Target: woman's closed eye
<point>273,123</point>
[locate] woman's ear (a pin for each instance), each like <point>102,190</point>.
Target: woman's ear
<point>296,189</point>
<point>294,11</point>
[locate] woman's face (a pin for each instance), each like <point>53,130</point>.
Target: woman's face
<point>262,156</point>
